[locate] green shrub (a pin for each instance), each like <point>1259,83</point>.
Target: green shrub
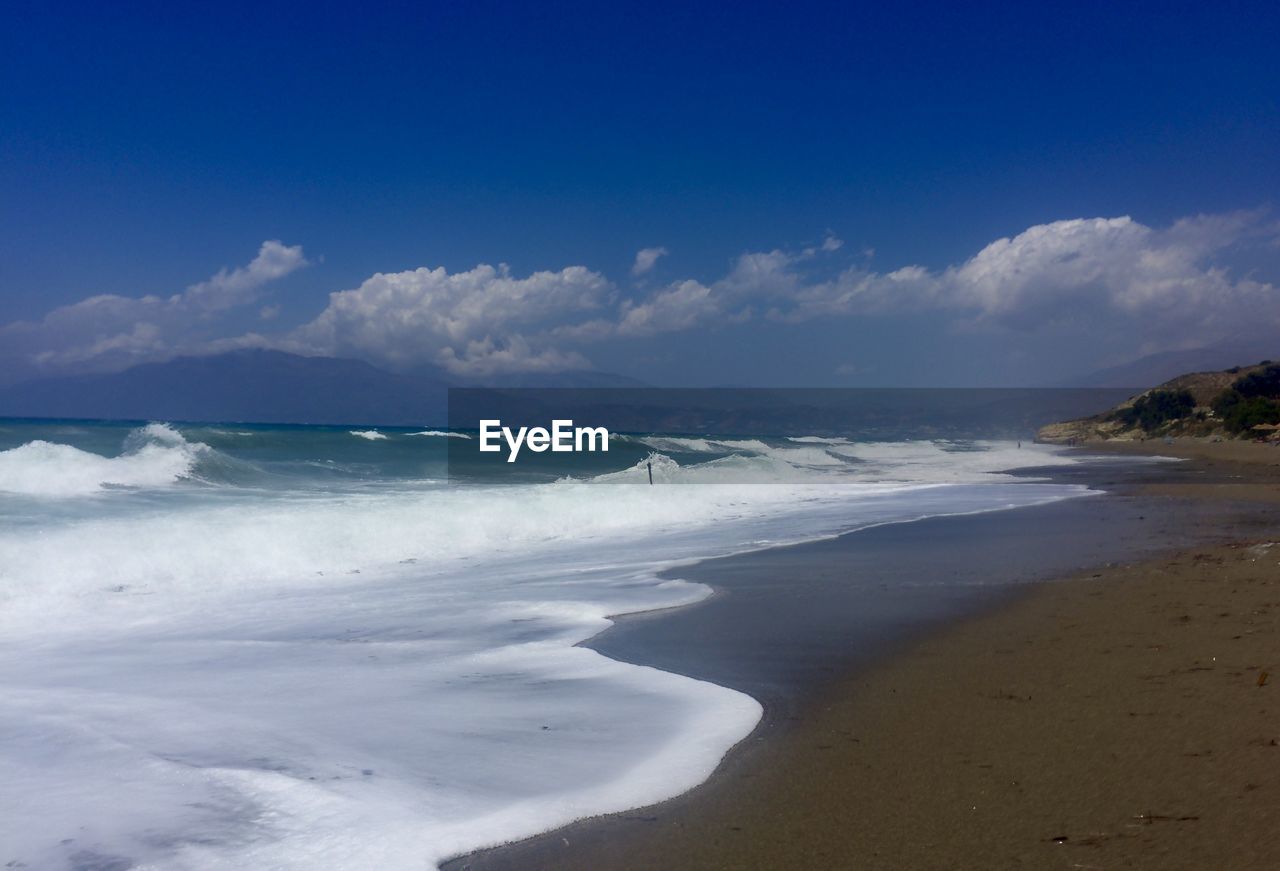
<point>1157,408</point>
<point>1241,413</point>
<point>1264,383</point>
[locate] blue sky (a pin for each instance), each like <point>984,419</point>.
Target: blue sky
<point>791,160</point>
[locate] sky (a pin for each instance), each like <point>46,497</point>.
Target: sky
<point>806,194</point>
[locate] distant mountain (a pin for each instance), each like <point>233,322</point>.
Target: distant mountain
<point>579,378</point>
<point>1158,368</point>
<point>260,386</point>
<point>248,386</point>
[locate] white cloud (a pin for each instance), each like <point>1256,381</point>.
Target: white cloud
<point>1164,287</point>
<point>1161,286</point>
<point>238,286</point>
<point>480,321</point>
<point>680,306</point>
<point>830,243</point>
<point>1094,275</point>
<point>1106,279</point>
<point>645,260</point>
<point>113,331</point>
<point>513,354</point>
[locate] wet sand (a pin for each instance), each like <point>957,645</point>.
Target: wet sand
<point>933,700</point>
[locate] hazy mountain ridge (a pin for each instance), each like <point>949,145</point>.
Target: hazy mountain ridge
<point>251,385</point>
<point>1165,365</point>
<point>264,386</point>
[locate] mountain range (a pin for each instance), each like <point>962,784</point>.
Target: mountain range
<point>264,387</point>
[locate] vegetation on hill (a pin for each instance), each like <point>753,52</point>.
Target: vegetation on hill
<point>1229,403</point>
<point>1157,408</point>
<point>1252,400</point>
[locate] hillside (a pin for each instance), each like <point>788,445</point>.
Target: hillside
<point>1231,403</point>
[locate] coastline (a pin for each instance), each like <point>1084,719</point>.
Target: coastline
<point>795,790</point>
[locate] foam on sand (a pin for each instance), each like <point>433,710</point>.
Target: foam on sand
<point>383,676</point>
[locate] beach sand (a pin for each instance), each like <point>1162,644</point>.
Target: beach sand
<point>1124,718</point>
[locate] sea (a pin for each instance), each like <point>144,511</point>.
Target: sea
<point>247,646</point>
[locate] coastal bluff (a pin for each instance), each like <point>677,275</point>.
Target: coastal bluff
<point>1240,402</point>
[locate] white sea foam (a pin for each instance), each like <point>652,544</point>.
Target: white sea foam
<point>156,455</point>
<point>801,456</point>
<point>442,434</point>
<point>818,440</point>
<point>675,445</point>
<point>388,677</point>
<point>371,434</point>
<point>913,461</point>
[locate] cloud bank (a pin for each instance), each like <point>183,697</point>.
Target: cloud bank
<point>1112,274</point>
<point>112,331</point>
<point>1109,279</point>
<point>471,322</point>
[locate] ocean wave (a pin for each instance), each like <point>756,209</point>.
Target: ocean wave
<point>154,456</point>
<point>441,434</point>
<point>371,434</point>
<point>818,440</point>
<point>266,669</point>
<point>811,451</point>
<point>237,538</point>
<point>676,445</point>
<point>730,470</point>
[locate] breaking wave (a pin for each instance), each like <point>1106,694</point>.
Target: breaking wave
<point>295,649</point>
<point>155,455</point>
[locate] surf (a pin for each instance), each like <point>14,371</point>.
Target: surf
<point>327,654</point>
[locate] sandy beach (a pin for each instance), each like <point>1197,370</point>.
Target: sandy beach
<point>1115,713</point>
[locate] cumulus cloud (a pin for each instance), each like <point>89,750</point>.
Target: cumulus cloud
<point>481,321</point>
<point>1108,279</point>
<point>230,288</point>
<point>112,331</point>
<point>645,260</point>
<point>753,278</point>
<point>1096,273</point>
<point>1164,287</point>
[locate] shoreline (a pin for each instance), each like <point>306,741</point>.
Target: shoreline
<point>1122,531</point>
